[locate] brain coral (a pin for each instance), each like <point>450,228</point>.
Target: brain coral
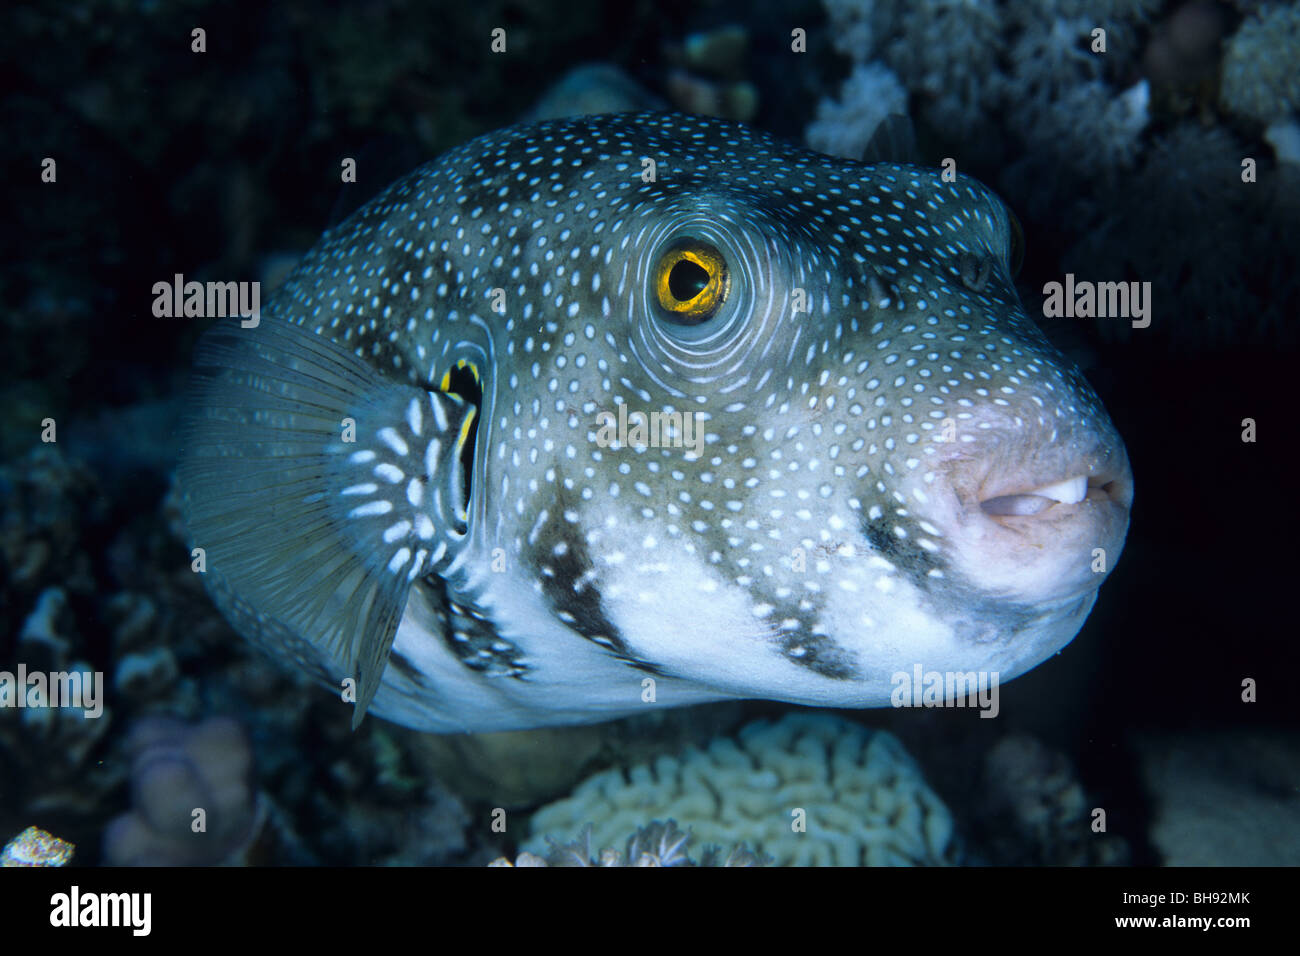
<point>808,790</point>
<point>658,844</point>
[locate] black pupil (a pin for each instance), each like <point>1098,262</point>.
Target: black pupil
<point>687,280</point>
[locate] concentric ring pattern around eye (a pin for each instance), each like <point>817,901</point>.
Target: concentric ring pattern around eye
<point>714,345</point>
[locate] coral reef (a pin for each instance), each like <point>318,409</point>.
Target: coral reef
<point>49,502</point>
<point>845,128</point>
<point>858,28</point>
<point>1208,292</point>
<point>1094,143</point>
<point>1033,809</point>
<point>1089,128</point>
<point>193,801</point>
<point>809,789</point>
<point>359,805</point>
<point>35,847</point>
<point>103,583</point>
<point>1261,79</point>
<point>946,52</point>
<point>1224,799</point>
<point>48,768</point>
<point>973,69</point>
<point>656,844</point>
<point>382,811</point>
<point>1057,99</point>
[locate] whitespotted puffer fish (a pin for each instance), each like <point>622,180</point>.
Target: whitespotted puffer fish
<point>398,476</point>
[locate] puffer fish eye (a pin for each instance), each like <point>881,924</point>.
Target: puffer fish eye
<point>691,282</point>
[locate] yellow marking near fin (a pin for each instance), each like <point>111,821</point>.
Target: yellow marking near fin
<point>468,423</point>
<point>445,384</point>
<point>464,429</point>
<point>460,446</point>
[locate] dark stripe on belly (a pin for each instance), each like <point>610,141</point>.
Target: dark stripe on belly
<point>473,639</point>
<point>571,591</point>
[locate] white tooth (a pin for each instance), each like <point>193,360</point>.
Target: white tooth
<point>1070,492</point>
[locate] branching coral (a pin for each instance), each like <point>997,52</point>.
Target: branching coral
<point>1099,10</point>
<point>47,499</point>
<point>1231,275</point>
<point>47,765</point>
<point>1261,66</point>
<point>1050,56</point>
<point>870,94</point>
<point>1057,101</point>
<point>946,51</point>
<point>872,91</point>
<point>858,28</point>
<point>973,66</point>
<point>1089,129</point>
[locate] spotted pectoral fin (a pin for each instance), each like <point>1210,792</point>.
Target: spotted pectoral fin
<point>319,491</point>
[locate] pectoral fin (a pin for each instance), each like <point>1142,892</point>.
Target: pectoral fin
<point>320,491</point>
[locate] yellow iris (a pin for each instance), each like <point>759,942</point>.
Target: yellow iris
<point>692,281</point>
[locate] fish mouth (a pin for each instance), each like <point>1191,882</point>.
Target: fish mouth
<point>1056,495</point>
<point>1037,522</point>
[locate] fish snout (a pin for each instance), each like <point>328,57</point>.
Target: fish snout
<point>1050,488</point>
<point>1034,513</point>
